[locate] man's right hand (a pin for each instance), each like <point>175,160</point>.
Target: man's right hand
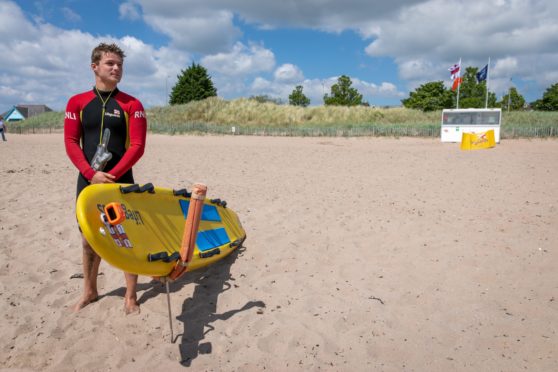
<point>102,177</point>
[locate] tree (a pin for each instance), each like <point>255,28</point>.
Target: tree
<point>429,97</point>
<point>514,99</point>
<point>342,94</point>
<point>473,94</point>
<point>549,100</point>
<point>194,84</point>
<point>297,98</point>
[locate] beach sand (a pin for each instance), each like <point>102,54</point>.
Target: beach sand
<point>363,254</point>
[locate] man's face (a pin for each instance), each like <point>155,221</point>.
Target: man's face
<point>109,69</point>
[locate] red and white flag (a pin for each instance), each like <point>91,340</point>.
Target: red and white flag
<point>455,70</point>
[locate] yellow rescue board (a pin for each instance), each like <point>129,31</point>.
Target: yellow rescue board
<point>152,231</point>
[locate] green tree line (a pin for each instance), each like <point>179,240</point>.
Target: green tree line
<point>472,94</point>
<point>195,84</point>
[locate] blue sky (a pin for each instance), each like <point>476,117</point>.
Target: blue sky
<point>253,47</point>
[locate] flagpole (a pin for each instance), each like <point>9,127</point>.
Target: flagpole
<point>509,95</point>
<point>458,83</point>
<point>487,80</point>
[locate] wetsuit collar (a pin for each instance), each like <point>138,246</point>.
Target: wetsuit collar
<point>105,93</point>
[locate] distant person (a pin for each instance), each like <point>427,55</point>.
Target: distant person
<point>2,128</point>
<point>87,115</point>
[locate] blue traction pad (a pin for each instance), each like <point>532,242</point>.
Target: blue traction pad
<point>209,212</point>
<point>210,239</point>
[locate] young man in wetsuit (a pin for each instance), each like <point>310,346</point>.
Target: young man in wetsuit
<point>87,115</point>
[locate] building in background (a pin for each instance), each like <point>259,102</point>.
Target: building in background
<point>22,112</point>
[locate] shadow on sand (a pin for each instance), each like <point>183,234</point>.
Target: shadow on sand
<point>198,312</point>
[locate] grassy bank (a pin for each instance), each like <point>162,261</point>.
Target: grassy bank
<point>215,115</point>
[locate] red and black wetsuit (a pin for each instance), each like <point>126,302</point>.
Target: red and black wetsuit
<point>124,116</point>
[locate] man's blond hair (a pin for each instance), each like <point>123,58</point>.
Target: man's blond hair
<point>103,48</point>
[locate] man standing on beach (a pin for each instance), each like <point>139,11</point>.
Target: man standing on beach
<point>87,115</point>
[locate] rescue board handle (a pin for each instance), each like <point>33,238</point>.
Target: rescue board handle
<point>220,202</point>
<point>182,192</point>
<point>138,189</point>
<point>163,256</point>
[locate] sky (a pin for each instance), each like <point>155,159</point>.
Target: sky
<point>268,47</point>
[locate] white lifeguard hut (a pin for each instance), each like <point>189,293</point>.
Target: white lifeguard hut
<point>455,122</point>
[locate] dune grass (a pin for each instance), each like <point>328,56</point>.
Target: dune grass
<point>247,116</point>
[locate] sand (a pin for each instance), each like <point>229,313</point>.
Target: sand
<point>363,254</point>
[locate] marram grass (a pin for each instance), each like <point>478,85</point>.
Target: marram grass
<point>249,117</point>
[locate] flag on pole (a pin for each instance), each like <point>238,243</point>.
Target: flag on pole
<point>482,74</point>
<point>455,70</point>
<point>456,83</point>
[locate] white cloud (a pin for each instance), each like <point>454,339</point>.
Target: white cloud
<point>437,33</point>
<point>288,73</point>
<point>47,64</point>
<point>192,26</point>
<point>331,15</point>
<point>419,69</point>
<point>372,91</point>
<point>130,11</point>
<point>14,24</point>
<point>423,37</point>
<point>505,66</point>
<point>41,57</point>
<point>209,26</point>
<point>241,60</point>
<point>389,89</point>
<point>231,70</point>
<point>262,85</point>
<point>70,15</point>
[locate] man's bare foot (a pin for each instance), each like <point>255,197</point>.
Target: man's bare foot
<point>131,306</point>
<point>84,301</point>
